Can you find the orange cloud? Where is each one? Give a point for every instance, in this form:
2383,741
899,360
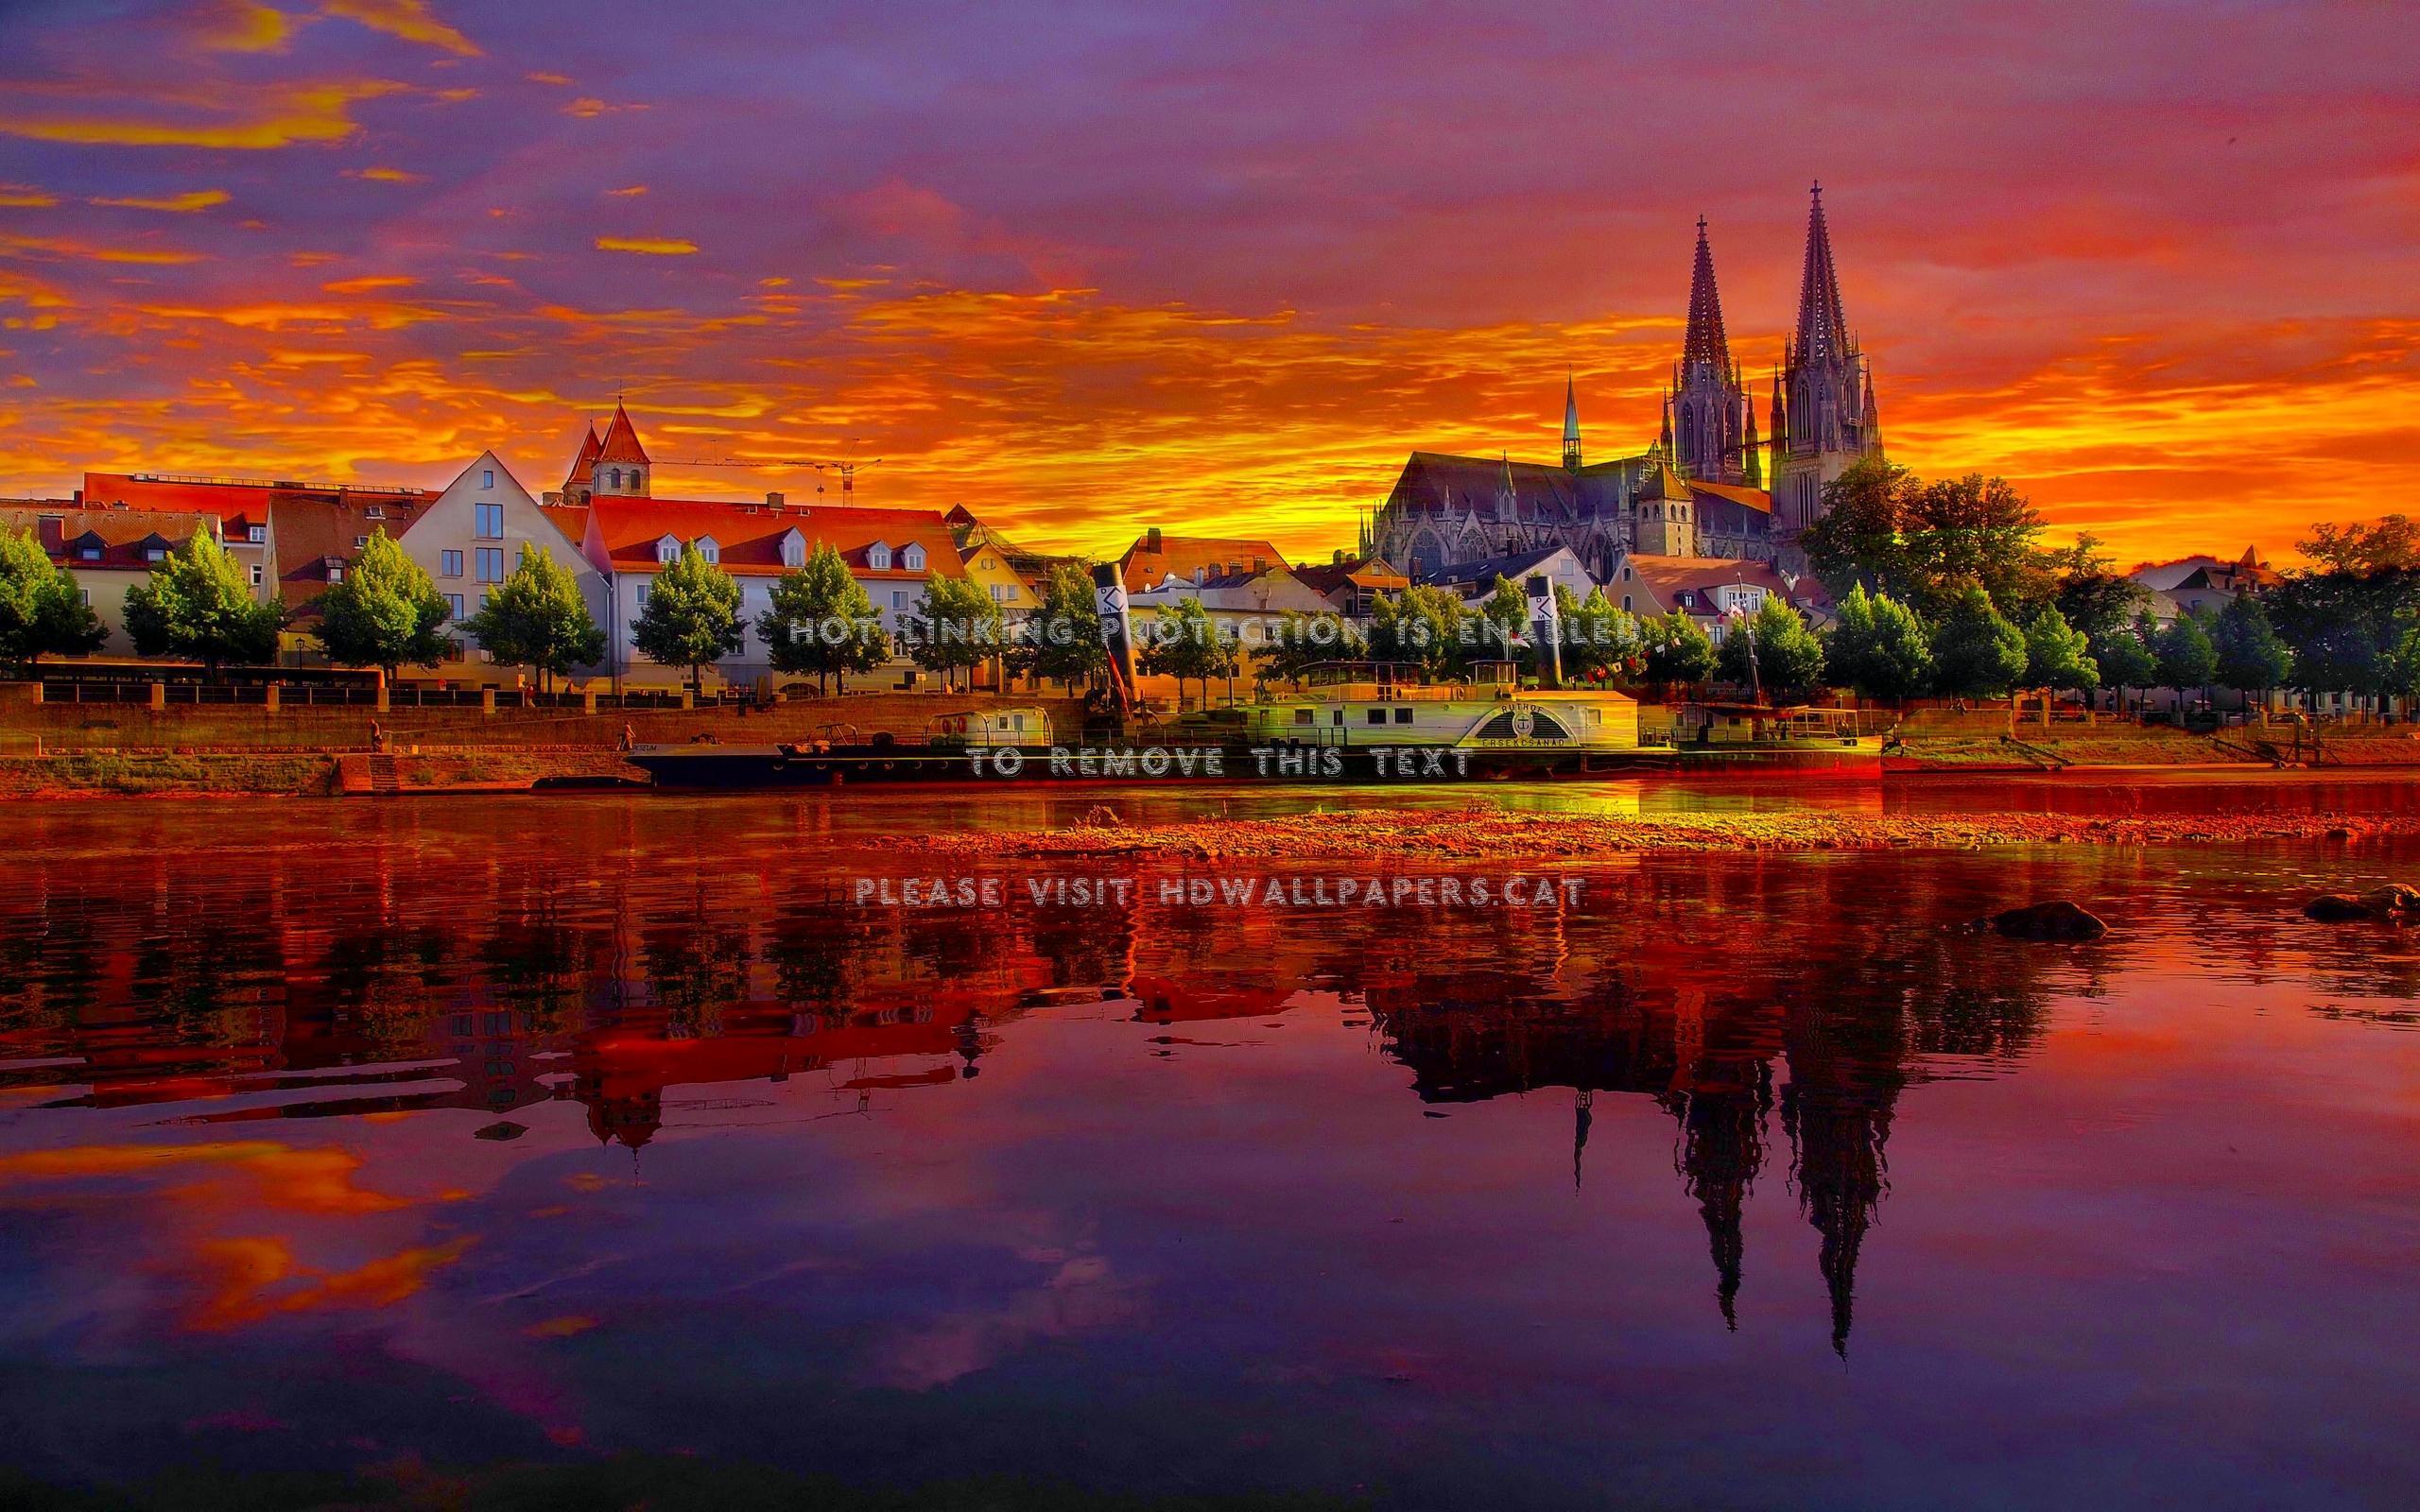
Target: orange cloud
175,204
408,19
547,79
242,1277
253,119
649,247
25,197
364,285
588,108
243,27
560,1327
318,1181
58,247
633,191
386,175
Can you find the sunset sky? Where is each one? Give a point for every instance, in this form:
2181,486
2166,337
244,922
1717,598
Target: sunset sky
1090,266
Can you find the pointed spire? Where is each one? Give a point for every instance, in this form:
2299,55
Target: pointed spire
1570,424
1664,444
589,450
1705,340
1870,414
1752,460
622,440
1823,329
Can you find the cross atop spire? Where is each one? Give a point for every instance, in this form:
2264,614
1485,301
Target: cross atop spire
1823,329
1706,341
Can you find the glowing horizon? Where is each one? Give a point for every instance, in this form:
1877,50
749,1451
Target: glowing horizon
1161,266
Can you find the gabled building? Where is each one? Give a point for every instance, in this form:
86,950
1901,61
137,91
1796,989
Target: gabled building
313,540
1352,585
1475,580
891,553
1157,557
243,508
1711,591
472,535
110,550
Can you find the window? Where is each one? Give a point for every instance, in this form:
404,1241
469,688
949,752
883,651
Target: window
487,522
793,550
360,541
912,558
486,477
642,596
454,605
155,553
990,565
1403,715
256,534
335,575
89,552
377,511
490,564
1625,603
449,564
256,575
86,594
898,598
1337,718
878,557
667,549
1378,716
1305,716
710,548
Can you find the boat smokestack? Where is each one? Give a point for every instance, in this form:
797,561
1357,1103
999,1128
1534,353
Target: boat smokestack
1545,628
1117,632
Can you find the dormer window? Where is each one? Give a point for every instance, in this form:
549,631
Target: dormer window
256,534
879,556
710,548
667,549
155,553
377,511
89,552
912,558
793,550
360,541
335,575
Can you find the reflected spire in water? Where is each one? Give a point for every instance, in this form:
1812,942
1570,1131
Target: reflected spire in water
1582,1104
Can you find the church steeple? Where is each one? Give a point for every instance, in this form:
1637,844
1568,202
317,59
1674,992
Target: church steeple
1706,341
1708,407
1570,426
1823,329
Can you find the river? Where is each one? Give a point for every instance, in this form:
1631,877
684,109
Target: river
345,1144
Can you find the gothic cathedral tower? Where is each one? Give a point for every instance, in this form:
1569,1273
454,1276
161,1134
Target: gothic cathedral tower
1713,425
1824,414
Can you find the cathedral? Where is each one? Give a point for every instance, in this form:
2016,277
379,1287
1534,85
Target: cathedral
1709,486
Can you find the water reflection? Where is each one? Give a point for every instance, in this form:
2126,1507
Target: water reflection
257,1027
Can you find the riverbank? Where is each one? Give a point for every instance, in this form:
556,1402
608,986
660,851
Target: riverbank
1483,830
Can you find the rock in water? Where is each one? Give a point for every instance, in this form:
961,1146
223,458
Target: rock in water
2336,908
2391,900
506,1129
2057,920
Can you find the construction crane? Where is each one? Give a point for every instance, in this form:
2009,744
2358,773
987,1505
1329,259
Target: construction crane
847,468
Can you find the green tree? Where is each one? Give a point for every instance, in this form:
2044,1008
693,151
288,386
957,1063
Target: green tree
691,617
1976,531
42,611
1504,623
1976,652
2391,543
1857,542
2187,658
1185,643
382,612
1062,639
1879,648
956,628
1678,653
1788,660
537,619
1303,641
2399,670
2251,656
2057,655
197,606
2125,657
819,621
2094,599
1424,626
1600,642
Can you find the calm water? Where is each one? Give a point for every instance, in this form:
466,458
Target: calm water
380,1140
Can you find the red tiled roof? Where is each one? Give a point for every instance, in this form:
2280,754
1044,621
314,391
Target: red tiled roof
750,535
1756,499
125,538
1370,573
239,503
621,442
309,534
1669,576
1186,554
